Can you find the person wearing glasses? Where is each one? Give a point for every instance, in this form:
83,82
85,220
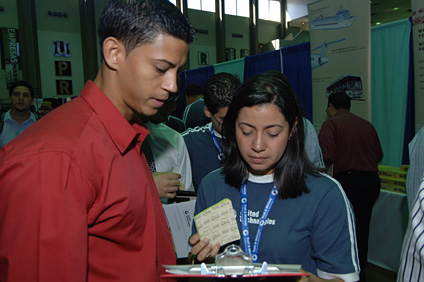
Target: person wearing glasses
19,117
204,143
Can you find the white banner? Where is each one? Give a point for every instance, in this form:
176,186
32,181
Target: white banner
340,35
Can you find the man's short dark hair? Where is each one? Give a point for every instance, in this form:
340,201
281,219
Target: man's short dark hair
339,100
219,91
55,102
193,89
21,83
138,22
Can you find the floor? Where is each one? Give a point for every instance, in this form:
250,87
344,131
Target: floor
375,273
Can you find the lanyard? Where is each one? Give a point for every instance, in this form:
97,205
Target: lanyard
245,225
215,141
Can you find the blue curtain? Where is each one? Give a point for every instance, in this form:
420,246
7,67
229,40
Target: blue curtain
410,105
261,63
389,76
294,62
200,76
297,69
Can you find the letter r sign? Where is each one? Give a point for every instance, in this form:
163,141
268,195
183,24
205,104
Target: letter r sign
203,58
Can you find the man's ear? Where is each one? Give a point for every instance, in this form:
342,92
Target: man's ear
207,112
113,50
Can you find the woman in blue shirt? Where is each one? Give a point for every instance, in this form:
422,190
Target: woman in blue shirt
287,211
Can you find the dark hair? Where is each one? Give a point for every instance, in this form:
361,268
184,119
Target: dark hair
339,100
193,90
138,22
21,83
55,102
268,88
219,90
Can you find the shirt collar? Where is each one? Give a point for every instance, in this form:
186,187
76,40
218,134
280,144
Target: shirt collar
120,130
261,178
214,132
8,116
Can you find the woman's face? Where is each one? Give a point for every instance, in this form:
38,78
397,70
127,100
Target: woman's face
262,133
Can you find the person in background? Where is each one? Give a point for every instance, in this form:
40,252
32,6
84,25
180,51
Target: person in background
204,143
192,93
287,212
194,113
411,268
166,116
77,199
19,118
48,105
351,145
416,168
168,160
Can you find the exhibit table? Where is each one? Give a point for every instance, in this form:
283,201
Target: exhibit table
388,226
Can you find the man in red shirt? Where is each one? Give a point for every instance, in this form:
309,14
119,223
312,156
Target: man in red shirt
352,146
77,200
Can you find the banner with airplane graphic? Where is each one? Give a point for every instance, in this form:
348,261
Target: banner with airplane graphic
340,36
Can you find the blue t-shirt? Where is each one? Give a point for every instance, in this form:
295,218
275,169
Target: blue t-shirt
202,151
316,230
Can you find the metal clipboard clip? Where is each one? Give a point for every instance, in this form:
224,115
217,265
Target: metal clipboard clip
233,262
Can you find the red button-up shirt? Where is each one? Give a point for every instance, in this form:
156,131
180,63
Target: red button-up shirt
78,202
350,143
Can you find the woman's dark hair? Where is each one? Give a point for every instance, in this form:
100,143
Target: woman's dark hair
268,88
138,22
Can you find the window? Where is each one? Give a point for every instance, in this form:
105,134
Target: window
237,7
203,5
173,2
270,10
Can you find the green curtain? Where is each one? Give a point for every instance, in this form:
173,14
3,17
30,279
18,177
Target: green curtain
234,67
389,77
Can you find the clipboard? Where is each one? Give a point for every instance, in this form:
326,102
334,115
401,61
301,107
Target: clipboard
233,263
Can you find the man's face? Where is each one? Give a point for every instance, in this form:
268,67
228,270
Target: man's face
217,118
147,76
46,107
21,99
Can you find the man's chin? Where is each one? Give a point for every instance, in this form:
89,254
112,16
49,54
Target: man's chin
19,109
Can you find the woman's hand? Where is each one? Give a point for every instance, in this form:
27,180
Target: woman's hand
203,249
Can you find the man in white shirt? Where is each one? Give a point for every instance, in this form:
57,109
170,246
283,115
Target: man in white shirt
171,169
19,117
411,267
416,167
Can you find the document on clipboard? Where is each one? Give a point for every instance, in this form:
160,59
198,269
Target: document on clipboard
218,223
